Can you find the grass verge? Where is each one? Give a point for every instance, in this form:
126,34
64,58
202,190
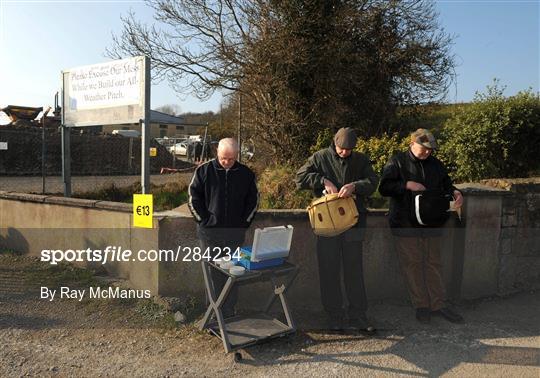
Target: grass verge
166,197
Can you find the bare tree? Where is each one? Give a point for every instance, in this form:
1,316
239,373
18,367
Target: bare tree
197,45
299,65
172,109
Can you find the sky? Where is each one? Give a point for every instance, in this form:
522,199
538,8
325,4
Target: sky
39,39
493,39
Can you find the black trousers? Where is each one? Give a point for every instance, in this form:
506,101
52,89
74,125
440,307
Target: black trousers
333,253
218,278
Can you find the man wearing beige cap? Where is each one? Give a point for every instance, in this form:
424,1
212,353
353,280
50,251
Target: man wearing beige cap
405,179
339,169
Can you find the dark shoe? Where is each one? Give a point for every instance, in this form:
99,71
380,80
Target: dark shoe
335,323
423,315
449,315
361,324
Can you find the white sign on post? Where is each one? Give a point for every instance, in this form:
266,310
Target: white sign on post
111,93
106,93
3,146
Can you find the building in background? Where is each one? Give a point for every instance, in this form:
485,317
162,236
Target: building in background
162,125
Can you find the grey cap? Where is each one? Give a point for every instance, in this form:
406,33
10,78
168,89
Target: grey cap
345,138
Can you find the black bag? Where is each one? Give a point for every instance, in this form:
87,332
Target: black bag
430,208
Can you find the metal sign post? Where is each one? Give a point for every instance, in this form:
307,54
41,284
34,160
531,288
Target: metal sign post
43,150
66,153
145,132
205,142
43,154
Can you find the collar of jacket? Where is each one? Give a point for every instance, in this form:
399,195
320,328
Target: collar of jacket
411,155
414,158
218,166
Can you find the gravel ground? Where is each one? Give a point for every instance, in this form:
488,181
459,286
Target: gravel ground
501,337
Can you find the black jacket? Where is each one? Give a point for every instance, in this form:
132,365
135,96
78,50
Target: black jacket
223,202
403,167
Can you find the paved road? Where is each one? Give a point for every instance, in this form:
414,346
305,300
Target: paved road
53,184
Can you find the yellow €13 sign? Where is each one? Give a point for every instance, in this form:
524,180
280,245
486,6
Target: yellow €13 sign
142,210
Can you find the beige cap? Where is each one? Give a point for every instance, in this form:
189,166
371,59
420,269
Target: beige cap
425,138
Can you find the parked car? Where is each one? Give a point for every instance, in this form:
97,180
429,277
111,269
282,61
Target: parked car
179,149
247,154
127,133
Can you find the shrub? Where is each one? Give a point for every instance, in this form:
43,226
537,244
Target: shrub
278,189
324,138
493,137
380,149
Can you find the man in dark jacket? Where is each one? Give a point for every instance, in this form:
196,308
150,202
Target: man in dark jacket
418,247
223,199
339,169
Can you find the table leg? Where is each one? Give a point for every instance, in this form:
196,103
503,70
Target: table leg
215,305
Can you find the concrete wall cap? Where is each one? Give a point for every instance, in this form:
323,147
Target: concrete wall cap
115,206
68,201
481,190
289,213
23,196
171,214
302,213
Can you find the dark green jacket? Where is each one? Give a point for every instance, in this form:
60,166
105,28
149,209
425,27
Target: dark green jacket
326,163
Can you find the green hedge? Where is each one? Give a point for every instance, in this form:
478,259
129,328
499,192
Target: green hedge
277,189
494,137
380,149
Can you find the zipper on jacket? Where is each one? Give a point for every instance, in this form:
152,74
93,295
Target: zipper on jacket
226,195
423,173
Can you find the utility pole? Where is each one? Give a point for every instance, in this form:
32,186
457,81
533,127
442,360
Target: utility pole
240,127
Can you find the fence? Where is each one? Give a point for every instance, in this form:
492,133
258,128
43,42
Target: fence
92,155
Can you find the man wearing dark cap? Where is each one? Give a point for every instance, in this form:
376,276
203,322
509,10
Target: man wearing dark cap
419,245
339,169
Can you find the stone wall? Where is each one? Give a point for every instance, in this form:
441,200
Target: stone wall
494,249
519,257
30,223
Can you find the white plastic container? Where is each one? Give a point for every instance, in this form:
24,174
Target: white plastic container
226,265
237,270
